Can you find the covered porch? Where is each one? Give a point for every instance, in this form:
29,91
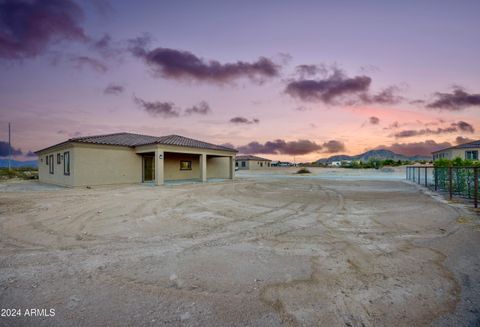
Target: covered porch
177,166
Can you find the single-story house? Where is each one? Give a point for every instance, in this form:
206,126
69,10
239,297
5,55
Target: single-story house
251,162
123,158
465,151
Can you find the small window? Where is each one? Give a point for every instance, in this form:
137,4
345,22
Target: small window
59,158
50,164
471,155
185,165
236,163
46,160
66,163
244,164
261,164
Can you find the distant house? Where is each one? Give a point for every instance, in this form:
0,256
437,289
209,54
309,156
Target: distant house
465,151
133,158
251,162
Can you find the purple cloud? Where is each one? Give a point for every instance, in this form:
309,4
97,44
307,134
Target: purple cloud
280,147
459,99
424,148
337,88
82,61
374,120
27,28
201,109
5,147
113,89
460,126
329,89
184,65
157,108
243,120
463,140
334,146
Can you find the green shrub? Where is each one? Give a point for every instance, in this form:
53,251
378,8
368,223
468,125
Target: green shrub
303,171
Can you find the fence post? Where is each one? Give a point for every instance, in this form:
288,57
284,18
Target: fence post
475,187
418,175
450,187
426,184
436,177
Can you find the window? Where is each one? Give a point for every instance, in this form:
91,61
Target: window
46,160
185,165
244,164
236,164
59,158
261,164
50,164
66,163
471,155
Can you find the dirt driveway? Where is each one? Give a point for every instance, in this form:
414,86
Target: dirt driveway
254,252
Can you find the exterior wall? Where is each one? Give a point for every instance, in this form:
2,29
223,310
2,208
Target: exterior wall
92,164
103,165
218,167
454,153
253,164
172,166
58,177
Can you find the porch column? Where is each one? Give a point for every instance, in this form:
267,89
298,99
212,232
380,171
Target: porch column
159,160
203,167
232,167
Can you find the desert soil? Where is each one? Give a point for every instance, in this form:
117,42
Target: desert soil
277,250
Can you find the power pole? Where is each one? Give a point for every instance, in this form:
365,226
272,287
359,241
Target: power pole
9,149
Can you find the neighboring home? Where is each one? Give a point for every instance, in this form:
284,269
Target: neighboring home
133,158
465,151
340,163
281,164
251,162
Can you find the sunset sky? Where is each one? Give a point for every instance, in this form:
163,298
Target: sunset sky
273,78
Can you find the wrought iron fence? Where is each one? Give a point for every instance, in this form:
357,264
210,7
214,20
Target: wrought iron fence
455,181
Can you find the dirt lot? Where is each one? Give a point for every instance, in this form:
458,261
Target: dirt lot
269,249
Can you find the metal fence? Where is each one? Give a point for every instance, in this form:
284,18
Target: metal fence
460,182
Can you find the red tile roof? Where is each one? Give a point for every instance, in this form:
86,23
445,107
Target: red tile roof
133,140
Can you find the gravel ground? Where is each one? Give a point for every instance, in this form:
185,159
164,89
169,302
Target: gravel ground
268,249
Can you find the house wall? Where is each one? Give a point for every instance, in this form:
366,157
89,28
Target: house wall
253,164
218,167
58,177
103,165
454,153
172,166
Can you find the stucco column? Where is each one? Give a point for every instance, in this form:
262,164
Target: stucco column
203,167
232,167
159,160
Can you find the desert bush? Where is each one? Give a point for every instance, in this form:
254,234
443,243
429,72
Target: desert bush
303,171
21,173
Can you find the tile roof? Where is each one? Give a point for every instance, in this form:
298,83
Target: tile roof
474,144
133,140
250,157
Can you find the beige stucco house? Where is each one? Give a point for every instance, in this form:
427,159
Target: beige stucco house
133,158
465,151
251,162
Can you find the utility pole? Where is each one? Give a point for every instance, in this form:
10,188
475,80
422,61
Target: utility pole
9,149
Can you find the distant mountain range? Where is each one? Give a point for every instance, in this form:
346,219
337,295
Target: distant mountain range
16,163
373,154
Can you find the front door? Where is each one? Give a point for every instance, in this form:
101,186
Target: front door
148,168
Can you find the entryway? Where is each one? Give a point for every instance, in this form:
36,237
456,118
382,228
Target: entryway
148,168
